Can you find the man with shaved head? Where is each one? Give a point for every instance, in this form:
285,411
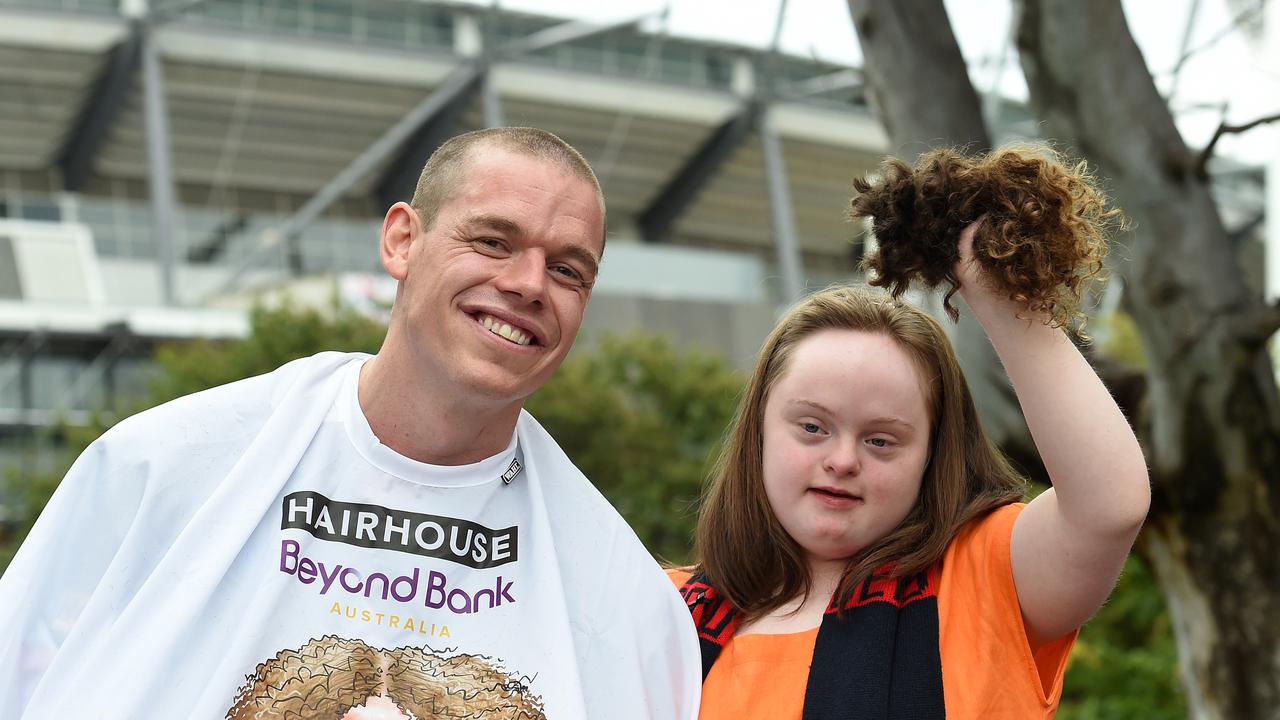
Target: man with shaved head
400,500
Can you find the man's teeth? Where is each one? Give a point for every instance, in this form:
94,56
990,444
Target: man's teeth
497,327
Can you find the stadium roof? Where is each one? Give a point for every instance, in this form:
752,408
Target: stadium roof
268,101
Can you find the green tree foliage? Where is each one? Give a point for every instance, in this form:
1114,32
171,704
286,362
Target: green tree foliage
1122,342
1124,663
25,490
643,421
277,335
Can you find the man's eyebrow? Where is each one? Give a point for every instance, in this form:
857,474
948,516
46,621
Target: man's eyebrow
501,224
495,222
577,252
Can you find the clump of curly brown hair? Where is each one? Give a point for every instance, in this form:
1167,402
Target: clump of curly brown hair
1043,239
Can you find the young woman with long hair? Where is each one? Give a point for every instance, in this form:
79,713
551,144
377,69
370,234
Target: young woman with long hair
863,549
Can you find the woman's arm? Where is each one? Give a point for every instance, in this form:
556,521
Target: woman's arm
1069,544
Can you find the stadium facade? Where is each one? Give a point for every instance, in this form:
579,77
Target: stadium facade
160,162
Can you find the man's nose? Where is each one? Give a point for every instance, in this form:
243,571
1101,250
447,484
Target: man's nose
525,275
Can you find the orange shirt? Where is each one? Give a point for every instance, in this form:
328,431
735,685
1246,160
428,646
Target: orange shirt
988,668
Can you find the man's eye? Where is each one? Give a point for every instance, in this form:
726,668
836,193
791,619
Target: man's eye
491,243
569,274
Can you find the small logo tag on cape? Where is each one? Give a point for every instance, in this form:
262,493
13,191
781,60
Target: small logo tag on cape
512,471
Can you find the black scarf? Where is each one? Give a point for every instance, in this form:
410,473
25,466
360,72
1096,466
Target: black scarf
875,659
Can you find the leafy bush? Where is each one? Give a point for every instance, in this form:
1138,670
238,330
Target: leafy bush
277,336
1124,663
642,420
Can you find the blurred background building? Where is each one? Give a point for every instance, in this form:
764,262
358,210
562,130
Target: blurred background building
161,164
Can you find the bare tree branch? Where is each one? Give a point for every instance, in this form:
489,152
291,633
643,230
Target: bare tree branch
1186,43
1225,129
1241,233
1255,326
1244,16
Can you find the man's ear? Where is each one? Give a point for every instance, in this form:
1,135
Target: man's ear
399,228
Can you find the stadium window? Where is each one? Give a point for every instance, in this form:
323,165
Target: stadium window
43,209
331,18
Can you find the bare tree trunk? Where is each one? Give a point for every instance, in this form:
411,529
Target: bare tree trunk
919,87
916,78
1211,421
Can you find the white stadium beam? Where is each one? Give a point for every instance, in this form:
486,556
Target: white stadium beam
160,181
462,79
571,32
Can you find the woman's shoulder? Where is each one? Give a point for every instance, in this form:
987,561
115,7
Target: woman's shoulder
987,531
679,575
980,550
977,561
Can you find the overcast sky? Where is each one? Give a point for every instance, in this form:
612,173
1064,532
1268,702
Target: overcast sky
1231,69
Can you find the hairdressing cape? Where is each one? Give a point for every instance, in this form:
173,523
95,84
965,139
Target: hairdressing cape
118,606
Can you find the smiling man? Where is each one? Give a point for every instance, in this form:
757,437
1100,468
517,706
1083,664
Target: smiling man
346,512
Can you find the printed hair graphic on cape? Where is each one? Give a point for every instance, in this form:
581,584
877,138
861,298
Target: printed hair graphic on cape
328,677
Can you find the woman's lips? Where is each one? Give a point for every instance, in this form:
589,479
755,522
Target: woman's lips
834,497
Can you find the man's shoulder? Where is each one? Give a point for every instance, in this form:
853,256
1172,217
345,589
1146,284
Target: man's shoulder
223,413
601,542
575,504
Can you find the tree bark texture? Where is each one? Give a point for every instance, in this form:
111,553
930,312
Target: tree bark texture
1210,423
918,85
916,79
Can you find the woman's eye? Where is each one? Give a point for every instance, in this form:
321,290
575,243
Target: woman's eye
879,442
810,428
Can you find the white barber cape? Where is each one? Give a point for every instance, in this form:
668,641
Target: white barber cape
253,551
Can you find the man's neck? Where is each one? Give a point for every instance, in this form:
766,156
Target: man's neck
431,427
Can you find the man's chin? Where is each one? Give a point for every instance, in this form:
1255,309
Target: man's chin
502,388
